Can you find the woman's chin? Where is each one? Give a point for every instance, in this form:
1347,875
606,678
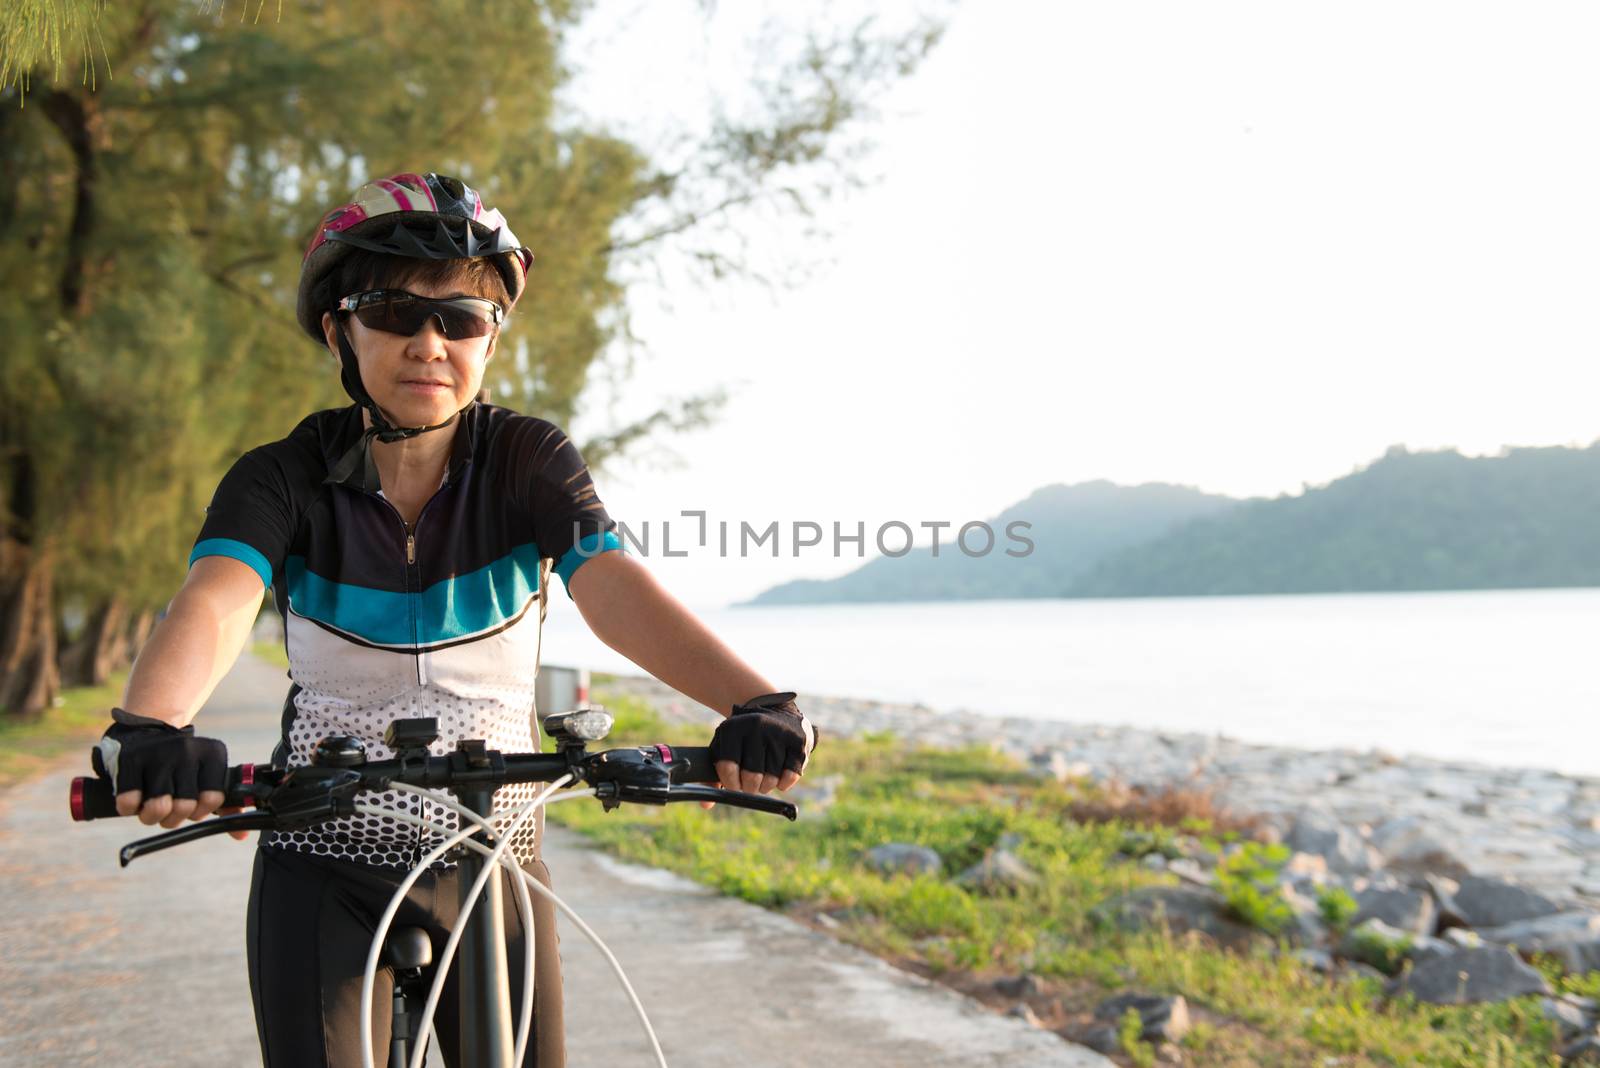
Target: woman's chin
422,411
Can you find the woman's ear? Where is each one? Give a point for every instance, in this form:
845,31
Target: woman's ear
330,335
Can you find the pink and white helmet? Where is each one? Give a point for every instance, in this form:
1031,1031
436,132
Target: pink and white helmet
429,216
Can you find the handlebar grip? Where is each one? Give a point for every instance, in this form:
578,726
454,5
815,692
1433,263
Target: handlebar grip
689,763
90,797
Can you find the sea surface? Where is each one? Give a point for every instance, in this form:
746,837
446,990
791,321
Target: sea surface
1506,677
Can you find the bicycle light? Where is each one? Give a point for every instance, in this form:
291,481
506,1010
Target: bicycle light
576,728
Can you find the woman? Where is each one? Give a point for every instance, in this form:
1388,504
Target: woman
408,541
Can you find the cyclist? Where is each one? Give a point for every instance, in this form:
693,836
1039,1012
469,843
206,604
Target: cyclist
408,541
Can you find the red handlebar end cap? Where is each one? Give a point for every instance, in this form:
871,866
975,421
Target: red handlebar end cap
665,751
247,777
75,799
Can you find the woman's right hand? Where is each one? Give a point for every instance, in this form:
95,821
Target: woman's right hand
161,773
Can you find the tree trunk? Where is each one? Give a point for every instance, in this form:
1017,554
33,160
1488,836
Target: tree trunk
29,680
101,649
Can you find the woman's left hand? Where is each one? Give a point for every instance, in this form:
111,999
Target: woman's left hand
763,745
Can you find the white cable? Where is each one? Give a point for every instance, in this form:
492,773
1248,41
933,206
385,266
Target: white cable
490,868
540,888
524,903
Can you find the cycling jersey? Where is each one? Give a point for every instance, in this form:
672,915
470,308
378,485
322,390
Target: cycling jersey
385,623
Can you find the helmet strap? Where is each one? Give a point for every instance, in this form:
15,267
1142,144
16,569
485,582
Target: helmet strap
359,455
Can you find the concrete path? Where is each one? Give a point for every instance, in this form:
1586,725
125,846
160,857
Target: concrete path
145,966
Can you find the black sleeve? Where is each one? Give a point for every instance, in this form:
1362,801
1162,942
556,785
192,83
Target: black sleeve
249,517
570,524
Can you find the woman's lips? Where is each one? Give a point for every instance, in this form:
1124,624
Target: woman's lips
427,387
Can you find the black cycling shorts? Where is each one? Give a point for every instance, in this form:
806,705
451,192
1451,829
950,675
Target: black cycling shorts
309,929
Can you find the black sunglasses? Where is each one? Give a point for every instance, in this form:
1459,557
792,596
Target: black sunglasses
396,311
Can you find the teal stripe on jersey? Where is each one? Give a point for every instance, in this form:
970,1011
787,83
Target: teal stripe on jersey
584,550
454,608
239,551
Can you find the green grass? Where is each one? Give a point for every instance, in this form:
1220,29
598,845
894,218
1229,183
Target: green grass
1257,1009
30,746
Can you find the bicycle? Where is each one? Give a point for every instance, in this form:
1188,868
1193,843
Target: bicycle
329,787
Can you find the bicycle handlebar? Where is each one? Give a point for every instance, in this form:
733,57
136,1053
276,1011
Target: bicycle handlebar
312,793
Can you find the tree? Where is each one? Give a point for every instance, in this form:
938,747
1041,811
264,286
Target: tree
152,223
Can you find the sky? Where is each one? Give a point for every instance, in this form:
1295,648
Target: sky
1244,247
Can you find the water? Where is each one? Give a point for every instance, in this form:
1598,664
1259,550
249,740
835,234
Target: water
1506,677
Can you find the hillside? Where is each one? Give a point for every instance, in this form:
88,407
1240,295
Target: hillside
1408,521
1072,528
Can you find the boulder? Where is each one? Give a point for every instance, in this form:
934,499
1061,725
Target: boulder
1444,890
1408,910
1535,934
1165,1019
1570,1020
1584,1051
1492,973
1182,909
1483,901
1318,960
1024,1012
1463,938
1578,955
1000,869
1410,844
1102,1038
901,858
1346,852
1018,986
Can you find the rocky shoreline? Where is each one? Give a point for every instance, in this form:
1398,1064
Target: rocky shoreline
1451,818
1445,881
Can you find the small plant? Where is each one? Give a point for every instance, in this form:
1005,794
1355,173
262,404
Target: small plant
1382,953
1248,882
1130,1034
1337,906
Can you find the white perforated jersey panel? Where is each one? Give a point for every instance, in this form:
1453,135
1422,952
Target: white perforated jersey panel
479,689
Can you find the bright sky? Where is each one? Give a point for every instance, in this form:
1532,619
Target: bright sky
1238,246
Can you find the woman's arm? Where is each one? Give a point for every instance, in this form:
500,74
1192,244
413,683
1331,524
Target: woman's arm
182,661
631,612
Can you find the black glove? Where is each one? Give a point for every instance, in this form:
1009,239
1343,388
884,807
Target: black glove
156,758
766,734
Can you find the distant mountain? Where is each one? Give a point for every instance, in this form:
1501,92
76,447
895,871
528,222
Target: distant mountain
1072,529
1529,517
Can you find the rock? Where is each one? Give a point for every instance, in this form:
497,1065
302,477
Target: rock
1533,935
1165,1019
1189,871
1587,1006
1307,867
1102,1038
1569,1019
1584,1051
1492,973
1307,928
1345,851
1463,938
1354,969
898,857
1488,902
1410,844
1376,943
1153,862
1169,1053
1318,960
1182,909
1023,1012
1444,890
1578,955
1408,910
1018,986
1000,869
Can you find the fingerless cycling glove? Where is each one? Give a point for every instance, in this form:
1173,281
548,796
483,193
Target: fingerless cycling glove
766,734
156,758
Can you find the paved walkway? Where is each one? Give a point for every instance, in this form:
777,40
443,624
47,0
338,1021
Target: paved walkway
145,966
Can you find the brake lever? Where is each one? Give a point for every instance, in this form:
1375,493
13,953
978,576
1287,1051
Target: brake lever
245,821
737,798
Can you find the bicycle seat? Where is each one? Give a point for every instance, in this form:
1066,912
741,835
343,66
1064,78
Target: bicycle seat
407,949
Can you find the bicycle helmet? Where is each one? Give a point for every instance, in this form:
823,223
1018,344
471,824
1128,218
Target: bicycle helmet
427,216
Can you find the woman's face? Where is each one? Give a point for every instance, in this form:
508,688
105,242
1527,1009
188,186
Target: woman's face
419,380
